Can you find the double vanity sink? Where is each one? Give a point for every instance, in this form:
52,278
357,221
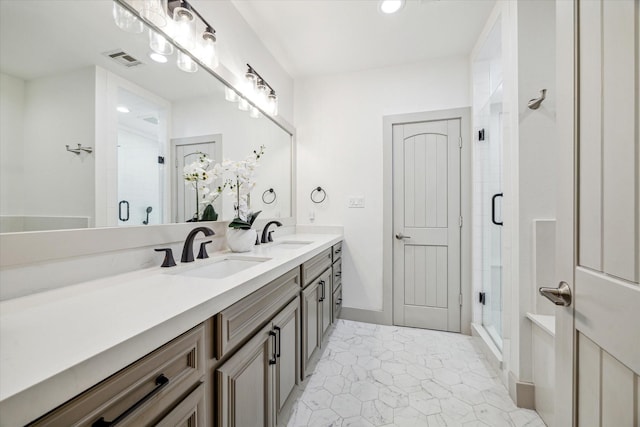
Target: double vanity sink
92,330
228,265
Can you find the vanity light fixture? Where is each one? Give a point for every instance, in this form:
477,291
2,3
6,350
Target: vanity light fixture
260,92
390,6
254,113
159,44
126,20
230,94
208,52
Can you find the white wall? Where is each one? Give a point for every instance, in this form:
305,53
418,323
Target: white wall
238,45
536,154
12,92
339,135
59,110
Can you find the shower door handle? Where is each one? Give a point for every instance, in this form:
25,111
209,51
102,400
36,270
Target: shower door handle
122,218
493,209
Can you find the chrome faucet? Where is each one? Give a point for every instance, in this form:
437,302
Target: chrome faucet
266,234
187,250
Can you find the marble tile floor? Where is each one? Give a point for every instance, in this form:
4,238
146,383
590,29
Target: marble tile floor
372,375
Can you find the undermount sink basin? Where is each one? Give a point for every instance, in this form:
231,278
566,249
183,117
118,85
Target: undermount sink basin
290,245
224,267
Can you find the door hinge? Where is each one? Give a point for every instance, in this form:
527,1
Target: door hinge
460,221
460,299
460,141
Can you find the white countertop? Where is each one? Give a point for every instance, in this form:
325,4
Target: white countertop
57,344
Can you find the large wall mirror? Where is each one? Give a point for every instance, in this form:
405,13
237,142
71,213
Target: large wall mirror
94,133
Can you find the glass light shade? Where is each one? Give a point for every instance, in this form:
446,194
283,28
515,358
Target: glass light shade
243,104
207,51
159,44
230,94
254,113
185,63
250,84
261,94
184,27
154,11
273,104
125,20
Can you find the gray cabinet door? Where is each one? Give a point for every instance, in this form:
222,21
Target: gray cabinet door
245,384
310,324
287,327
326,296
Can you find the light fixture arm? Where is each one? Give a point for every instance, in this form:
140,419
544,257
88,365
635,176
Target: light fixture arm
173,4
252,70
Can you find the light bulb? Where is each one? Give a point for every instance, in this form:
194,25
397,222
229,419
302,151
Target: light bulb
158,57
230,94
390,6
207,49
250,84
184,27
126,20
159,44
185,63
261,94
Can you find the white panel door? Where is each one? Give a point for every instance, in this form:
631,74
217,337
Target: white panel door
426,215
185,194
598,336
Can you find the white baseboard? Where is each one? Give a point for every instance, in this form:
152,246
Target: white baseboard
367,316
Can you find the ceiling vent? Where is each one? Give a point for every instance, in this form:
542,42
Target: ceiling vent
122,58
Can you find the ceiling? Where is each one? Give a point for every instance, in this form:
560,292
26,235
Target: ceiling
315,37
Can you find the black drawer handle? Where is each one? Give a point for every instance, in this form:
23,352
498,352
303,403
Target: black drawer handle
161,382
279,331
321,283
339,301
273,335
493,209
338,273
337,251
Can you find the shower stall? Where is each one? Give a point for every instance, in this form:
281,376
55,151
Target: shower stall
487,185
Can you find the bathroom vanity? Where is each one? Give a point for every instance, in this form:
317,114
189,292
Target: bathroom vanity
217,342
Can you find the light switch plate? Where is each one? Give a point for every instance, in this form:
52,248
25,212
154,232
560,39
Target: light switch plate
356,202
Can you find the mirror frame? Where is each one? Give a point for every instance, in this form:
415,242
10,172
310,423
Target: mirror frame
23,248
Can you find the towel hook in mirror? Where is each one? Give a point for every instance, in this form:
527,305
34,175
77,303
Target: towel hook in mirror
318,190
534,103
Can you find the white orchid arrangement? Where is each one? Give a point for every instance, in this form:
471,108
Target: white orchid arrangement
199,175
239,179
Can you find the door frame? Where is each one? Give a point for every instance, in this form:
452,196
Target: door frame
464,114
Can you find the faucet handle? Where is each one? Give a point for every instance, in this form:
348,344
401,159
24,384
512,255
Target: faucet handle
202,254
269,238
168,257
257,238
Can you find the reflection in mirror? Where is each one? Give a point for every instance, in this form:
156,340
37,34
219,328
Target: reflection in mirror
69,75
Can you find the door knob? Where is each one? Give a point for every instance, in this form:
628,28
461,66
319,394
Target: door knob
401,236
559,296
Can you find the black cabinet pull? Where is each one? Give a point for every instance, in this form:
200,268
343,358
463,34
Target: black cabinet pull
161,382
279,331
273,335
493,209
321,283
120,217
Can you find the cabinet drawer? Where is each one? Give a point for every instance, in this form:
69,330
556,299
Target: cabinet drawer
142,393
337,274
237,323
337,251
188,413
337,303
315,266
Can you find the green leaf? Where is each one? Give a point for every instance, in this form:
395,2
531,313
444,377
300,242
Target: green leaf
237,223
209,214
252,217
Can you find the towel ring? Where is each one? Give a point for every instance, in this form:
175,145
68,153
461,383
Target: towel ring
266,194
318,190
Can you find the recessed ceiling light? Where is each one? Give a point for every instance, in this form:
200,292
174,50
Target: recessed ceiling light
122,109
390,6
158,57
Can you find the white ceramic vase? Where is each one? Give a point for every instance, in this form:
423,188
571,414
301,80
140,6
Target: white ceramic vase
241,240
